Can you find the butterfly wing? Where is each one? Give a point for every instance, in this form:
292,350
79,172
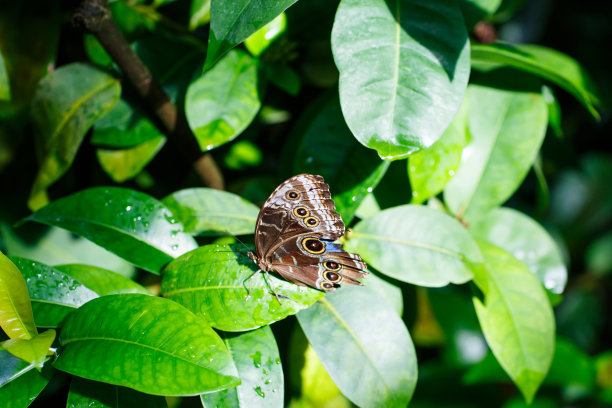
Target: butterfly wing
294,236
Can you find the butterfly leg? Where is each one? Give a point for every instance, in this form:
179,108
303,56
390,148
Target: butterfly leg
250,284
276,295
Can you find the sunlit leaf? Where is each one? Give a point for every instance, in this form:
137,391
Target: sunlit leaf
259,367
340,329
506,128
403,78
16,317
416,244
219,283
146,343
262,38
516,318
222,102
124,164
206,211
129,223
34,350
233,21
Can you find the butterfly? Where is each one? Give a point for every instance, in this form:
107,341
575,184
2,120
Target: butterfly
295,234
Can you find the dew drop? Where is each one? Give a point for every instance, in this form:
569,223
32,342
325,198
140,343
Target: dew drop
259,392
128,208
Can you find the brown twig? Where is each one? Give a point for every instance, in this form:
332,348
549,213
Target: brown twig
95,16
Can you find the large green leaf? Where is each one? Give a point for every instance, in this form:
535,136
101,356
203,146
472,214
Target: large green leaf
259,367
222,102
102,281
516,318
416,244
16,317
128,223
146,343
432,168
206,211
233,21
506,128
527,241
214,282
403,78
54,294
340,327
328,148
20,382
547,63
67,102
92,394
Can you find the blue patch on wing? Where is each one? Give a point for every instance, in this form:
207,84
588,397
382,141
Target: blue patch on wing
331,247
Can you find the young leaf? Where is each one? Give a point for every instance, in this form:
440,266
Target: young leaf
206,211
87,394
527,241
128,223
440,251
431,169
54,294
16,317
516,318
222,102
20,382
328,148
102,281
146,343
547,63
233,21
67,102
259,367
339,328
34,350
124,164
506,128
220,284
402,80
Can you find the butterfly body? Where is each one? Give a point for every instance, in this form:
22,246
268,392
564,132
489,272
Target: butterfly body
295,235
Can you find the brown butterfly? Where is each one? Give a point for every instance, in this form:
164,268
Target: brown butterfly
295,235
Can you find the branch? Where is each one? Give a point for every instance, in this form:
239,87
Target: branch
95,16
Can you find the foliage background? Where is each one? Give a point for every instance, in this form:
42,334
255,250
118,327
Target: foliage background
575,206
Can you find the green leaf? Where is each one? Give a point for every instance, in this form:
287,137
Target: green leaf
328,148
102,281
571,366
262,38
527,241
387,291
259,367
87,394
34,350
402,80
222,102
214,281
16,317
206,211
67,102
20,382
126,222
199,13
124,164
340,329
5,84
547,63
233,21
440,251
123,127
432,168
506,128
150,344
54,294
516,318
